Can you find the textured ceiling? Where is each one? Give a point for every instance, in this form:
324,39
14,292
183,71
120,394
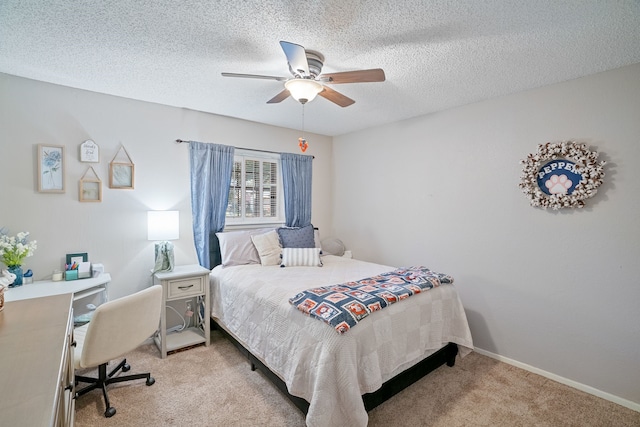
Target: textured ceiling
436,54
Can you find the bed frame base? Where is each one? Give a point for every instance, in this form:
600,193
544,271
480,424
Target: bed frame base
395,385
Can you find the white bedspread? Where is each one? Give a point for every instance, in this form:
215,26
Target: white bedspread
329,370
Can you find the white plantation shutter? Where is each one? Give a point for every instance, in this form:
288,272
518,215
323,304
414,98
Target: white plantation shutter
254,194
234,207
252,188
269,189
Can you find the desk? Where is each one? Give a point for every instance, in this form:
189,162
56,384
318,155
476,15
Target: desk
81,288
36,362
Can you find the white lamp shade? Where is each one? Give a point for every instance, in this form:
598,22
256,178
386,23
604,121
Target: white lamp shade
163,225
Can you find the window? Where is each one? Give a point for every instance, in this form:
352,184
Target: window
255,191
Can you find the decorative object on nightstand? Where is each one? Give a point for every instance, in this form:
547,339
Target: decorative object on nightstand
163,225
184,283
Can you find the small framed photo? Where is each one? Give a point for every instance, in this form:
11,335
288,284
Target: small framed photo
121,175
121,172
89,152
77,258
51,165
90,191
90,187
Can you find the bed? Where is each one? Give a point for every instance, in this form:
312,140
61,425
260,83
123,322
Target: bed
335,378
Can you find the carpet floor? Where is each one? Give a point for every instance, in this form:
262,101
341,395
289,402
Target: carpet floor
214,386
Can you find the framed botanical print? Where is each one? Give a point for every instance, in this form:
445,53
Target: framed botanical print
51,166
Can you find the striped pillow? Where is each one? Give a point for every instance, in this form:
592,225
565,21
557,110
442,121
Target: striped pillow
301,257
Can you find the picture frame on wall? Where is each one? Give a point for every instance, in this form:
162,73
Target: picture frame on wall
89,152
121,175
90,187
51,168
121,172
90,191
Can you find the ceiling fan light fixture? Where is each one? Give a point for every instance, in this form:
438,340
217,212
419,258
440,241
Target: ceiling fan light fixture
303,90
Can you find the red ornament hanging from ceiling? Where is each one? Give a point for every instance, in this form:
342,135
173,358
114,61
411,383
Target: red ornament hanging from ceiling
303,144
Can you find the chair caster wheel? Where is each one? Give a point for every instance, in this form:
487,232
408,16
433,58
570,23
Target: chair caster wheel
126,367
110,412
151,381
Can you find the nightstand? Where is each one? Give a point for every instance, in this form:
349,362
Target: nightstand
184,282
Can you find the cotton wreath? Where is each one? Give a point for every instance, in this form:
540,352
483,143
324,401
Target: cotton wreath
586,164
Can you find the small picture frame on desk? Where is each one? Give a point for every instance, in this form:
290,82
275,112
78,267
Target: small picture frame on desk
81,257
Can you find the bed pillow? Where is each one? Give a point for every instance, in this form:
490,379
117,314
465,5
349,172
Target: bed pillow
236,247
301,257
268,247
297,237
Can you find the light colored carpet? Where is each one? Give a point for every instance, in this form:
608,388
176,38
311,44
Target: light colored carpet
214,386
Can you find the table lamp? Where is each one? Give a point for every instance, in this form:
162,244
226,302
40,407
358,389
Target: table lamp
161,227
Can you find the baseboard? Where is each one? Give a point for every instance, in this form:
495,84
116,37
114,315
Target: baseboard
574,384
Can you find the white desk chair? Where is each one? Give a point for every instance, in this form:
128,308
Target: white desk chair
117,327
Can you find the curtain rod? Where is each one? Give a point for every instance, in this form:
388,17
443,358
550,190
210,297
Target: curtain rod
180,141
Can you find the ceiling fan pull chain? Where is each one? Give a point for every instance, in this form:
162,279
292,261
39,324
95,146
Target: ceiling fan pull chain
302,143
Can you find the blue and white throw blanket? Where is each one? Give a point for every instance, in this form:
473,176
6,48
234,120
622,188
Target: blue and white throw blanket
343,306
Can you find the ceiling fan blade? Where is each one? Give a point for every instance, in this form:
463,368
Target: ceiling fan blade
336,97
255,76
296,57
279,97
360,76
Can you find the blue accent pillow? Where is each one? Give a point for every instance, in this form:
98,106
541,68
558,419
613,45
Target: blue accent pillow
297,237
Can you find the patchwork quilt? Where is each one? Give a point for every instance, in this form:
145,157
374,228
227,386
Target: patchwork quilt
343,306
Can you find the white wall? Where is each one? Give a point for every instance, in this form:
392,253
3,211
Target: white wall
559,291
114,232
555,290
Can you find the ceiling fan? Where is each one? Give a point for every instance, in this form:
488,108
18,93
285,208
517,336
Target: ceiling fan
307,81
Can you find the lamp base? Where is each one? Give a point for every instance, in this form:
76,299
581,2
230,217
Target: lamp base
164,257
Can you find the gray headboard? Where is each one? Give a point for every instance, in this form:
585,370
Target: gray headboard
215,257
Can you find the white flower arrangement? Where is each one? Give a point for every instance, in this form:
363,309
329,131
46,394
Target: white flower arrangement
14,249
586,164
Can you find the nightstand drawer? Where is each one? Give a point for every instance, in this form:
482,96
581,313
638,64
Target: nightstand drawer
185,287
